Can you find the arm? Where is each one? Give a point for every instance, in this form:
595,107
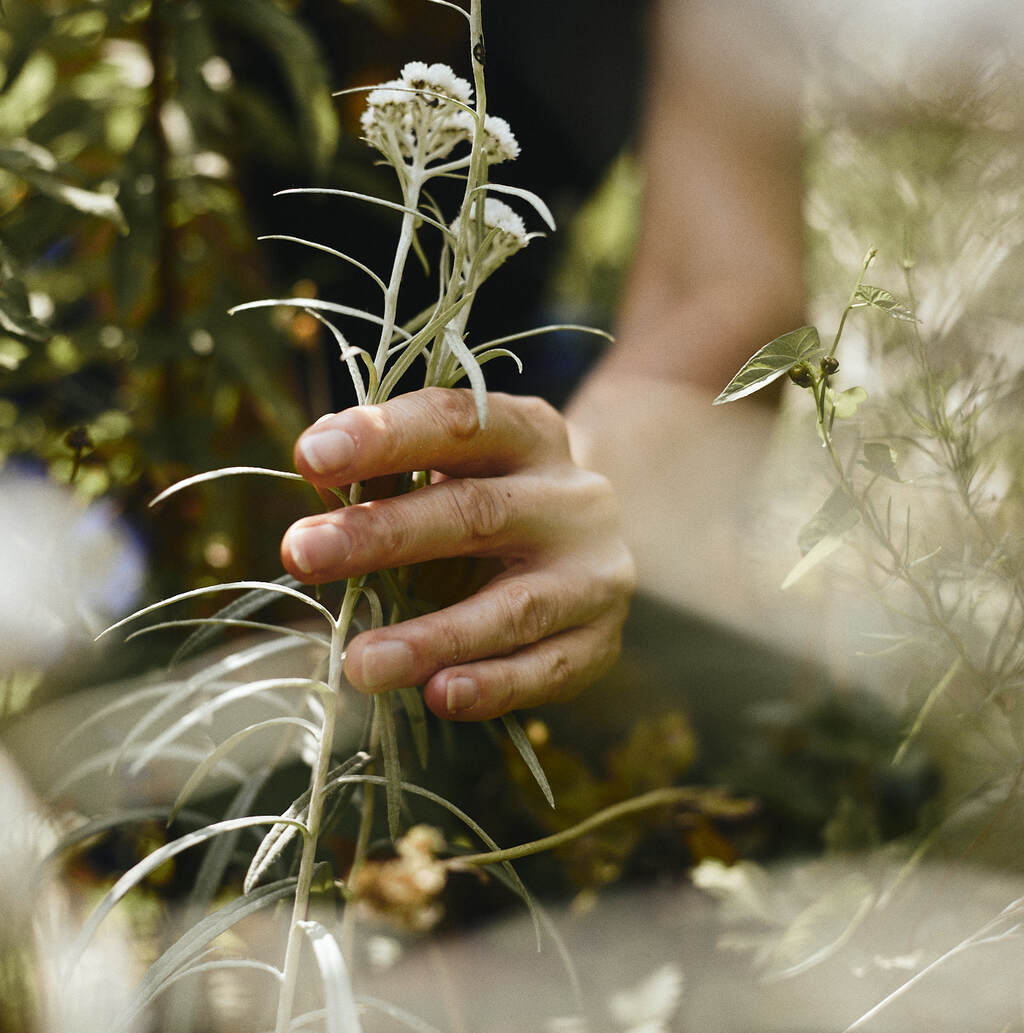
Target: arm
717,274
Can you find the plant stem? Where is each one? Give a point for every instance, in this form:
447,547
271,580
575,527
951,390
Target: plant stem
655,798
318,777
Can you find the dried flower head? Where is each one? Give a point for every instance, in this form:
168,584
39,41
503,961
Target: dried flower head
404,889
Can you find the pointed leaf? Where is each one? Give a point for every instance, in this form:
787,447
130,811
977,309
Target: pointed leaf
151,862
227,471
772,361
330,251
371,199
526,751
316,303
821,550
527,195
412,703
835,517
385,716
342,1015
878,297
468,361
163,970
224,748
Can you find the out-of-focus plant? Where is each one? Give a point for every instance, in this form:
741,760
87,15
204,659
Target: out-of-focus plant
127,129
926,491
432,128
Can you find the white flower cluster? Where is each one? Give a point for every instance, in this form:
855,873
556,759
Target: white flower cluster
511,235
422,116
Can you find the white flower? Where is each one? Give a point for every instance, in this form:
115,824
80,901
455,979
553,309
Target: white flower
499,141
409,119
67,569
511,236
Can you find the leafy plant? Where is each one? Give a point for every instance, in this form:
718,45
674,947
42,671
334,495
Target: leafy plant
427,125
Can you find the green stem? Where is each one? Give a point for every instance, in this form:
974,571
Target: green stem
667,797
318,778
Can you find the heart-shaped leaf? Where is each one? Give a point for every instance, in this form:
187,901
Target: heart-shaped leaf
772,361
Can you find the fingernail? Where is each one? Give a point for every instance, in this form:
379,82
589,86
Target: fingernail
327,450
460,694
318,548
326,416
386,665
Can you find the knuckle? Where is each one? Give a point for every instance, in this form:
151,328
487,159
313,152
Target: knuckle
538,418
480,511
525,615
444,639
455,411
381,526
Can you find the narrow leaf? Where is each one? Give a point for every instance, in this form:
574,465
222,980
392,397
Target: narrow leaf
227,471
370,199
412,703
224,748
934,696
551,328
836,516
772,361
205,710
342,1016
486,356
527,195
230,586
330,251
227,622
191,943
245,606
316,303
385,715
526,751
468,361
821,551
150,863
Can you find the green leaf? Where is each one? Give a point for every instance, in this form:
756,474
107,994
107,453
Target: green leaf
523,745
15,312
835,517
880,458
385,714
772,361
878,297
412,703
847,402
342,1015
38,167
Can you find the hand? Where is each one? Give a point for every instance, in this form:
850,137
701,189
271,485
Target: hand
548,624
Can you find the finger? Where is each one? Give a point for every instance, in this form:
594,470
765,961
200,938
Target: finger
489,516
431,429
513,611
551,671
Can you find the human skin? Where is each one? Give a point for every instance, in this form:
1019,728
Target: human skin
717,273
547,624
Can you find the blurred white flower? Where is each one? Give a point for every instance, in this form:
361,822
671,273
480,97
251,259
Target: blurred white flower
509,236
648,1007
65,570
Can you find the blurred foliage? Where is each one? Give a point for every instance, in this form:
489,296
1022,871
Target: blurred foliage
129,132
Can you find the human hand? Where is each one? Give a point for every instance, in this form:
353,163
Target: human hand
548,624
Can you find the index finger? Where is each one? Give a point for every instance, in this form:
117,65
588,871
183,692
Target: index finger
430,429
